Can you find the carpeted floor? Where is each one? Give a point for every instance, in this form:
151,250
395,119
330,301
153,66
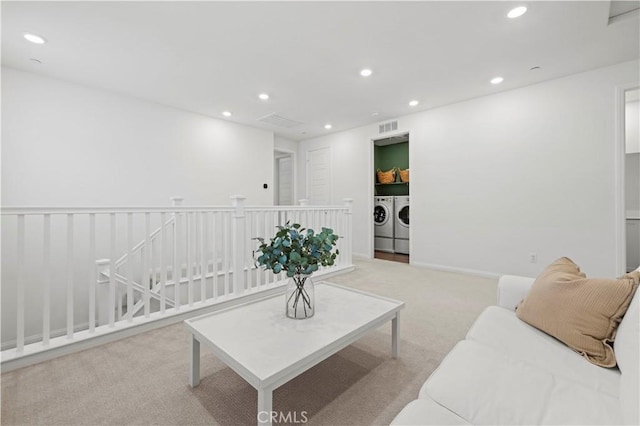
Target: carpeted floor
142,380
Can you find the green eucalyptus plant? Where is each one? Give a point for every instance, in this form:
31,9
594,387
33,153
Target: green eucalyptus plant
297,250
300,252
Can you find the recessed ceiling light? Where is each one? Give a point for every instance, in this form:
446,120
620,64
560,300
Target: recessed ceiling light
375,114
413,103
226,113
35,61
366,72
263,96
534,68
517,12
33,38
497,80
328,126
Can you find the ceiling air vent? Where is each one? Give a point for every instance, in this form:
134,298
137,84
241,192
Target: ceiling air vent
388,127
279,121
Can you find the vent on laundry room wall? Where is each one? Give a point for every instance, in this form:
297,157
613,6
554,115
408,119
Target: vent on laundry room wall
388,127
279,121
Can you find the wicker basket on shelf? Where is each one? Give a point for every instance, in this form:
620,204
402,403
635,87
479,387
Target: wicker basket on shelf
387,177
404,175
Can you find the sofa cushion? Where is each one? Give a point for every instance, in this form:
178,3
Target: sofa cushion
500,329
484,386
426,412
626,344
581,312
627,348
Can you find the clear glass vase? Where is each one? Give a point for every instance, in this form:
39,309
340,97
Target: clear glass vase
300,297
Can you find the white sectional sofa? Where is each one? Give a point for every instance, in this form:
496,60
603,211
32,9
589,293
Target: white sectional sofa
506,372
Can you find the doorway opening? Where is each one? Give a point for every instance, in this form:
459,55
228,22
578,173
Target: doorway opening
391,203
283,178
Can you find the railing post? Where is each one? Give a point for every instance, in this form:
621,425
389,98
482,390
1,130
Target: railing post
176,273
46,277
348,247
129,267
70,256
111,299
102,285
146,263
163,263
20,287
238,243
93,277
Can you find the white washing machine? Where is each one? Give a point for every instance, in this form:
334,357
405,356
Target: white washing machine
383,223
401,224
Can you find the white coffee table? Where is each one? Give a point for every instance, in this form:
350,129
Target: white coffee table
267,349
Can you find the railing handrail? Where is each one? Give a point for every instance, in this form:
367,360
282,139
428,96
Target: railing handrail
27,210
293,208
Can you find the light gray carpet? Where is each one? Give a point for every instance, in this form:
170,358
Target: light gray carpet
142,380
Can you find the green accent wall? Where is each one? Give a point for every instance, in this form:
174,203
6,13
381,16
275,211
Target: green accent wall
388,156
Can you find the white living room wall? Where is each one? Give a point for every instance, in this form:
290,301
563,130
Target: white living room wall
351,177
286,144
65,144
498,178
70,145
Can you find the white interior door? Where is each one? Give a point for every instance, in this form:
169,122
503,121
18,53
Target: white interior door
319,176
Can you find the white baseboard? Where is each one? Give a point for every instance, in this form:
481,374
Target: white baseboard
334,272
361,255
34,338
476,272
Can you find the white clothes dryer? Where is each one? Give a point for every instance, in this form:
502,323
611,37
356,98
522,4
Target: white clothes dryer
383,223
401,224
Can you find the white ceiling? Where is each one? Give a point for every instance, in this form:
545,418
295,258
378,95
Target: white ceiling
208,57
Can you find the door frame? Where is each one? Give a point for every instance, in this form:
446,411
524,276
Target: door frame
372,192
619,177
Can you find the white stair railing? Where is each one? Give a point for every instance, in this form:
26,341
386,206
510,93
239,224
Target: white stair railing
55,293
142,248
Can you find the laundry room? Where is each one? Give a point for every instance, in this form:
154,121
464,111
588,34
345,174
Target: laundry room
391,198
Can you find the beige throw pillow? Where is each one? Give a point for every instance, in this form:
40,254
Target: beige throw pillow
582,312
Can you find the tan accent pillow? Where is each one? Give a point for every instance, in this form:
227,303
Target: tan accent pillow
581,312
